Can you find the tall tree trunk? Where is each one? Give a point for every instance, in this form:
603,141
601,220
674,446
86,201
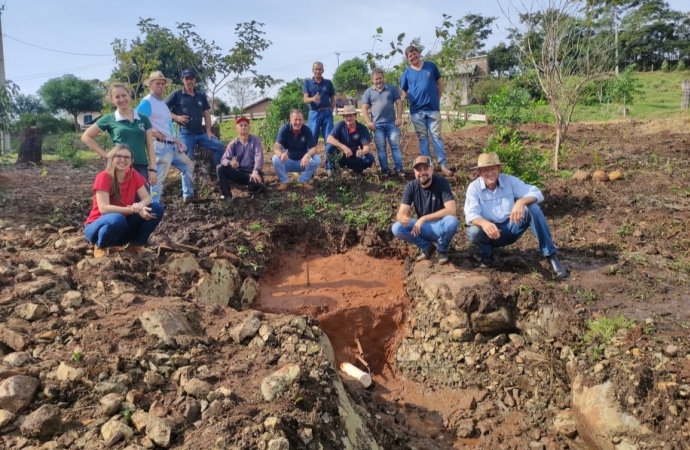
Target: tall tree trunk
556,151
77,128
31,141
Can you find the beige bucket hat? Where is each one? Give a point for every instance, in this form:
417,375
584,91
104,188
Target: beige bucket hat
487,160
348,109
157,75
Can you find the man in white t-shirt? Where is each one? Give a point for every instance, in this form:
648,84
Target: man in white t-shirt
169,150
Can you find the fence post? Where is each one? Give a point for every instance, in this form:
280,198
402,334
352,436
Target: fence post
685,103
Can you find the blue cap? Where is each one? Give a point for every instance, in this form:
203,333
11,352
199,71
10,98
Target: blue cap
188,73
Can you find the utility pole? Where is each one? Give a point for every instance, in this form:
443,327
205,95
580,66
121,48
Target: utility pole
5,142
337,54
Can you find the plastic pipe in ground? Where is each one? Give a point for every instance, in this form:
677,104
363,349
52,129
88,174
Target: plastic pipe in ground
354,372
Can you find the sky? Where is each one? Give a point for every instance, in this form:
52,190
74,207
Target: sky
301,32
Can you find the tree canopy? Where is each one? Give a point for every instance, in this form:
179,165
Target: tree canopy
72,95
351,75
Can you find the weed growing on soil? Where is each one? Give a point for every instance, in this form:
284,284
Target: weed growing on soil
309,212
260,247
623,230
255,227
600,331
77,356
242,251
587,296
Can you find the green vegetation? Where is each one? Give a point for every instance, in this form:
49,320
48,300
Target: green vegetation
77,356
600,331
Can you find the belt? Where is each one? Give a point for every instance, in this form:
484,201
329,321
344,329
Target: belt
323,109
163,140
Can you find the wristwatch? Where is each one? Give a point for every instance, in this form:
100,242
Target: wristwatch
152,170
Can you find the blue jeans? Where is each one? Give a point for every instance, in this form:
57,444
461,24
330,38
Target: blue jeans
440,232
511,232
426,123
390,132
116,229
353,163
320,123
290,165
192,140
167,155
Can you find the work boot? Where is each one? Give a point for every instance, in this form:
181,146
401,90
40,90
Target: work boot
427,254
443,257
193,199
307,186
282,186
446,171
99,252
557,266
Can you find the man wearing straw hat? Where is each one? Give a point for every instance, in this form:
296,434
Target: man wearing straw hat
434,202
348,144
499,208
169,150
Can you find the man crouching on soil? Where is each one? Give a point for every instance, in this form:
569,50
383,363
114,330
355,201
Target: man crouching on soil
499,208
435,206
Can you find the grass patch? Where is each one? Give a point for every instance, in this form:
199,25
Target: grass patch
600,331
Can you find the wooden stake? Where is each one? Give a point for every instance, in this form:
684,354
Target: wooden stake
308,283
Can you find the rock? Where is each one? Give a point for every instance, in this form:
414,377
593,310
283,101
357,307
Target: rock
493,322
535,445
197,388
152,378
615,175
184,264
220,394
600,175
581,175
517,340
159,431
140,420
249,292
447,282
113,427
105,388
464,428
214,410
17,392
221,285
279,381
44,422
598,418
279,444
247,328
71,299
16,359
31,311
38,286
671,350
192,410
67,373
167,324
565,424
452,322
6,418
111,403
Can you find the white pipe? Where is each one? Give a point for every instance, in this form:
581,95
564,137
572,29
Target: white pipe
354,372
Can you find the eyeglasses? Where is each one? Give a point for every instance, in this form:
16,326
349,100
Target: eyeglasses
123,157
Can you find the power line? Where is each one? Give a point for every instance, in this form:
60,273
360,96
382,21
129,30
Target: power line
39,75
53,50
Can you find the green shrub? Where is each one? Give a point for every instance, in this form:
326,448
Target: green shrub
68,150
483,89
510,107
681,66
665,67
518,159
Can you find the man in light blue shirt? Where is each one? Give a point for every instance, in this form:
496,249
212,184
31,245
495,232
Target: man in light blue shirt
499,208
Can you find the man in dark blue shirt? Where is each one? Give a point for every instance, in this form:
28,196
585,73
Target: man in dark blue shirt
434,202
319,94
295,151
188,108
348,144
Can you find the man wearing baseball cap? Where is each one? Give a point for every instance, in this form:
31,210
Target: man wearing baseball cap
499,208
348,144
242,161
434,202
189,107
169,151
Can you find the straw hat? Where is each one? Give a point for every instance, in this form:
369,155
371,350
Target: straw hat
157,75
348,109
487,160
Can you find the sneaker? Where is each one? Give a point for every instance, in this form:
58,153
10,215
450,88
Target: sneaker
282,186
400,174
307,186
193,199
446,171
486,263
99,252
384,175
227,199
427,254
443,257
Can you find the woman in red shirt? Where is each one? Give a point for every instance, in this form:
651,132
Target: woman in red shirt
116,218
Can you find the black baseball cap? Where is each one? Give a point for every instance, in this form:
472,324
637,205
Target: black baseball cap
188,73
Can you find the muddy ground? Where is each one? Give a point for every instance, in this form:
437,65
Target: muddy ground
626,243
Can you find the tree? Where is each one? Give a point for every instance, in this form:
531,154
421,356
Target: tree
241,92
570,53
502,59
72,95
221,109
351,75
468,37
30,104
289,97
8,92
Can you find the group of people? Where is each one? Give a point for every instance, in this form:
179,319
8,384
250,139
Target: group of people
160,133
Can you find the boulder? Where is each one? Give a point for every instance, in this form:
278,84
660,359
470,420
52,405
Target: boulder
44,422
167,324
184,264
249,292
279,381
493,322
220,286
17,392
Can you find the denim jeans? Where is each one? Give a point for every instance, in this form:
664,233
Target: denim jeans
167,155
440,232
388,131
227,174
353,163
117,229
429,123
290,165
511,232
192,140
320,123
